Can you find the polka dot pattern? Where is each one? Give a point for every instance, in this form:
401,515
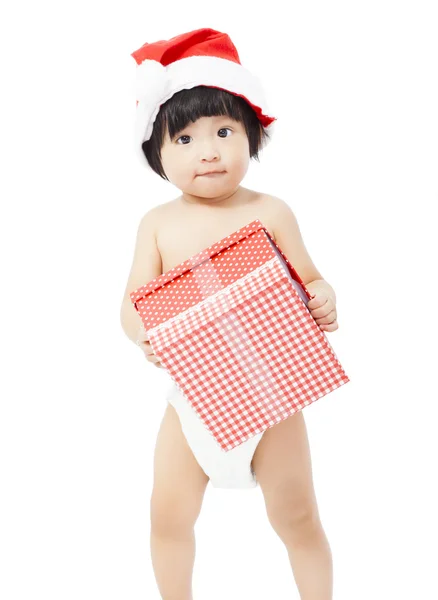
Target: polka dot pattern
207,272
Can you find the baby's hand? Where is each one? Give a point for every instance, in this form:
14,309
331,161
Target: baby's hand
144,344
323,310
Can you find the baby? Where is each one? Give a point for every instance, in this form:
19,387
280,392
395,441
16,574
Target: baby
201,119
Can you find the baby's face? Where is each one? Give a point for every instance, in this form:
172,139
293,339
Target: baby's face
210,144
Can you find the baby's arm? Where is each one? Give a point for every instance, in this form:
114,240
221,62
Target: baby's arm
146,265
288,236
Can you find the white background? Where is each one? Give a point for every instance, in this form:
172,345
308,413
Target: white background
355,154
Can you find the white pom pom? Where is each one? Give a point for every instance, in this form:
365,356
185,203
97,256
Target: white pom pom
151,80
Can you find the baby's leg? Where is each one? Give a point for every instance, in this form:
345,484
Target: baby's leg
178,491
283,467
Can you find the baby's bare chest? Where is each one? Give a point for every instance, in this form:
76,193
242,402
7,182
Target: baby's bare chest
181,236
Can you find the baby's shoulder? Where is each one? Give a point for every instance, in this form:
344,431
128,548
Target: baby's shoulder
271,210
159,214
272,204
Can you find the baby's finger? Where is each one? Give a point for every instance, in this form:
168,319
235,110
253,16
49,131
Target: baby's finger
330,326
152,358
145,346
327,318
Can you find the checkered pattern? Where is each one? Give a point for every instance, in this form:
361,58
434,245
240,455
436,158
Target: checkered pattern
248,355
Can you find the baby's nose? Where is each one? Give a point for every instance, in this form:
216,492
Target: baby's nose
209,152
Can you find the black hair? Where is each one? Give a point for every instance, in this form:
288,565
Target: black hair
188,105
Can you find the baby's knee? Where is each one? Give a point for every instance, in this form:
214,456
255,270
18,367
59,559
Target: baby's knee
291,512
171,516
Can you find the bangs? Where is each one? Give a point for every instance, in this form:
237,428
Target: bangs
190,105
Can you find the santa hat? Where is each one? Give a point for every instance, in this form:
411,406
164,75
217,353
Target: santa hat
202,57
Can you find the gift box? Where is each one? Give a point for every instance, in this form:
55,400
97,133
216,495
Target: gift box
232,328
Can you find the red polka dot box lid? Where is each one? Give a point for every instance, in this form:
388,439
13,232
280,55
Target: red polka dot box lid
232,329
208,272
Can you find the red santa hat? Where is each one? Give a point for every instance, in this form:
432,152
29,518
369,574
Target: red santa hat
202,57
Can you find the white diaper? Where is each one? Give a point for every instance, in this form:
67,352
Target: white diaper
231,469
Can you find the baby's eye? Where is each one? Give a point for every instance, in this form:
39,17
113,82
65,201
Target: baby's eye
180,138
224,129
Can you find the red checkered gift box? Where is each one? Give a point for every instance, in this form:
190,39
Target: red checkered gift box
232,328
